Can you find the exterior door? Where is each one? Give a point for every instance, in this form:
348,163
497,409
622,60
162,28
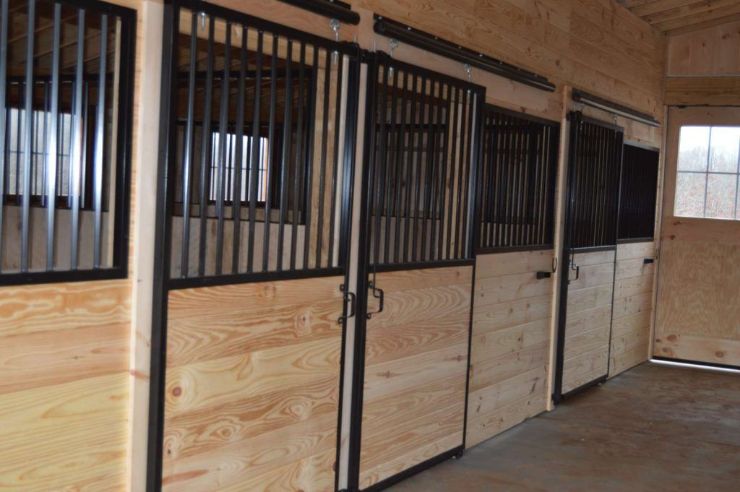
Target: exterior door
589,245
416,272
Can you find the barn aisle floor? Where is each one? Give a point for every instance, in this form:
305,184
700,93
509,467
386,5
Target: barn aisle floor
653,428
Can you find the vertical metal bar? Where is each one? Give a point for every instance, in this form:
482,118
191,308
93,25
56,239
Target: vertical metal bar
465,201
455,102
4,115
389,183
239,157
436,180
460,170
223,136
381,165
399,168
271,170
322,170
28,136
99,143
310,135
335,169
445,106
205,151
300,157
77,144
188,151
421,165
255,158
431,174
409,160
53,147
286,150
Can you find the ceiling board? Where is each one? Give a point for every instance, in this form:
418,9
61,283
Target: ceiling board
678,16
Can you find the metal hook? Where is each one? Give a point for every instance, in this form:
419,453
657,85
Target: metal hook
392,45
335,25
202,16
469,71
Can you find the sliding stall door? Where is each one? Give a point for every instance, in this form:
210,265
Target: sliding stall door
587,288
414,357
256,254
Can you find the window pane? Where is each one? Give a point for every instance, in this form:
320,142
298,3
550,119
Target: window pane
693,148
690,189
725,144
721,196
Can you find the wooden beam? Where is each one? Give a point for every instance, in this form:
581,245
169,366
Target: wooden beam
703,25
657,6
716,13
713,91
687,13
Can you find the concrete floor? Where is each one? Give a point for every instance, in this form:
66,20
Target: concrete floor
654,428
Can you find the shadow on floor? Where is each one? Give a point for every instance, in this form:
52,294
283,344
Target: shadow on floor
654,428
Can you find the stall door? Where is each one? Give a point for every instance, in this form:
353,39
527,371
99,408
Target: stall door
589,245
256,243
413,353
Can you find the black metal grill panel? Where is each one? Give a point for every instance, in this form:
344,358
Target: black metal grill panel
517,181
423,153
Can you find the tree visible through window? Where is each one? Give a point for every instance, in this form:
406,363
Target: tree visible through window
708,178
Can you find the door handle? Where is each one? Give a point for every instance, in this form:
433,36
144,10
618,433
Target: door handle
378,294
577,269
352,299
541,275
648,261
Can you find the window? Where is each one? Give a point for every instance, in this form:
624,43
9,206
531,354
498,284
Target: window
246,184
66,79
708,175
637,193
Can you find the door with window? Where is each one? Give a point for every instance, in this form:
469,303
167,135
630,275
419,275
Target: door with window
589,251
698,314
253,252
416,270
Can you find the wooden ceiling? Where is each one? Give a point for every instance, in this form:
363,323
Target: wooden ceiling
679,16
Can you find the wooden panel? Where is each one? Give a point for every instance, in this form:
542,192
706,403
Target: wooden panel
415,370
64,386
714,91
509,355
591,44
252,386
588,320
698,315
633,306
682,16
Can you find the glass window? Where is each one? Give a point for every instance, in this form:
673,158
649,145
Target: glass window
708,179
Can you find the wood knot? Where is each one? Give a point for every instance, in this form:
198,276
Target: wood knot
176,391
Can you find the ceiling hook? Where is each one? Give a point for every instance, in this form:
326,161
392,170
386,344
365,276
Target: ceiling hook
335,25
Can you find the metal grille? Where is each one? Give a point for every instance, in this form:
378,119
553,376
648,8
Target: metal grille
517,181
259,177
422,175
66,83
595,162
638,193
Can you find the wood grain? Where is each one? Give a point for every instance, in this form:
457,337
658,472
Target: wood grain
415,370
510,342
64,386
253,386
588,319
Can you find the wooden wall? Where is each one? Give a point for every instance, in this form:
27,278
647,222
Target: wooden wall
64,386
252,387
633,306
703,67
510,342
416,361
698,313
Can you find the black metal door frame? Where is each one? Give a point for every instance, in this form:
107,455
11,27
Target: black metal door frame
163,283
576,118
365,268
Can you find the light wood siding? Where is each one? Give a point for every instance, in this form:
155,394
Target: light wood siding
64,386
588,320
252,386
510,342
633,306
415,370
698,315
